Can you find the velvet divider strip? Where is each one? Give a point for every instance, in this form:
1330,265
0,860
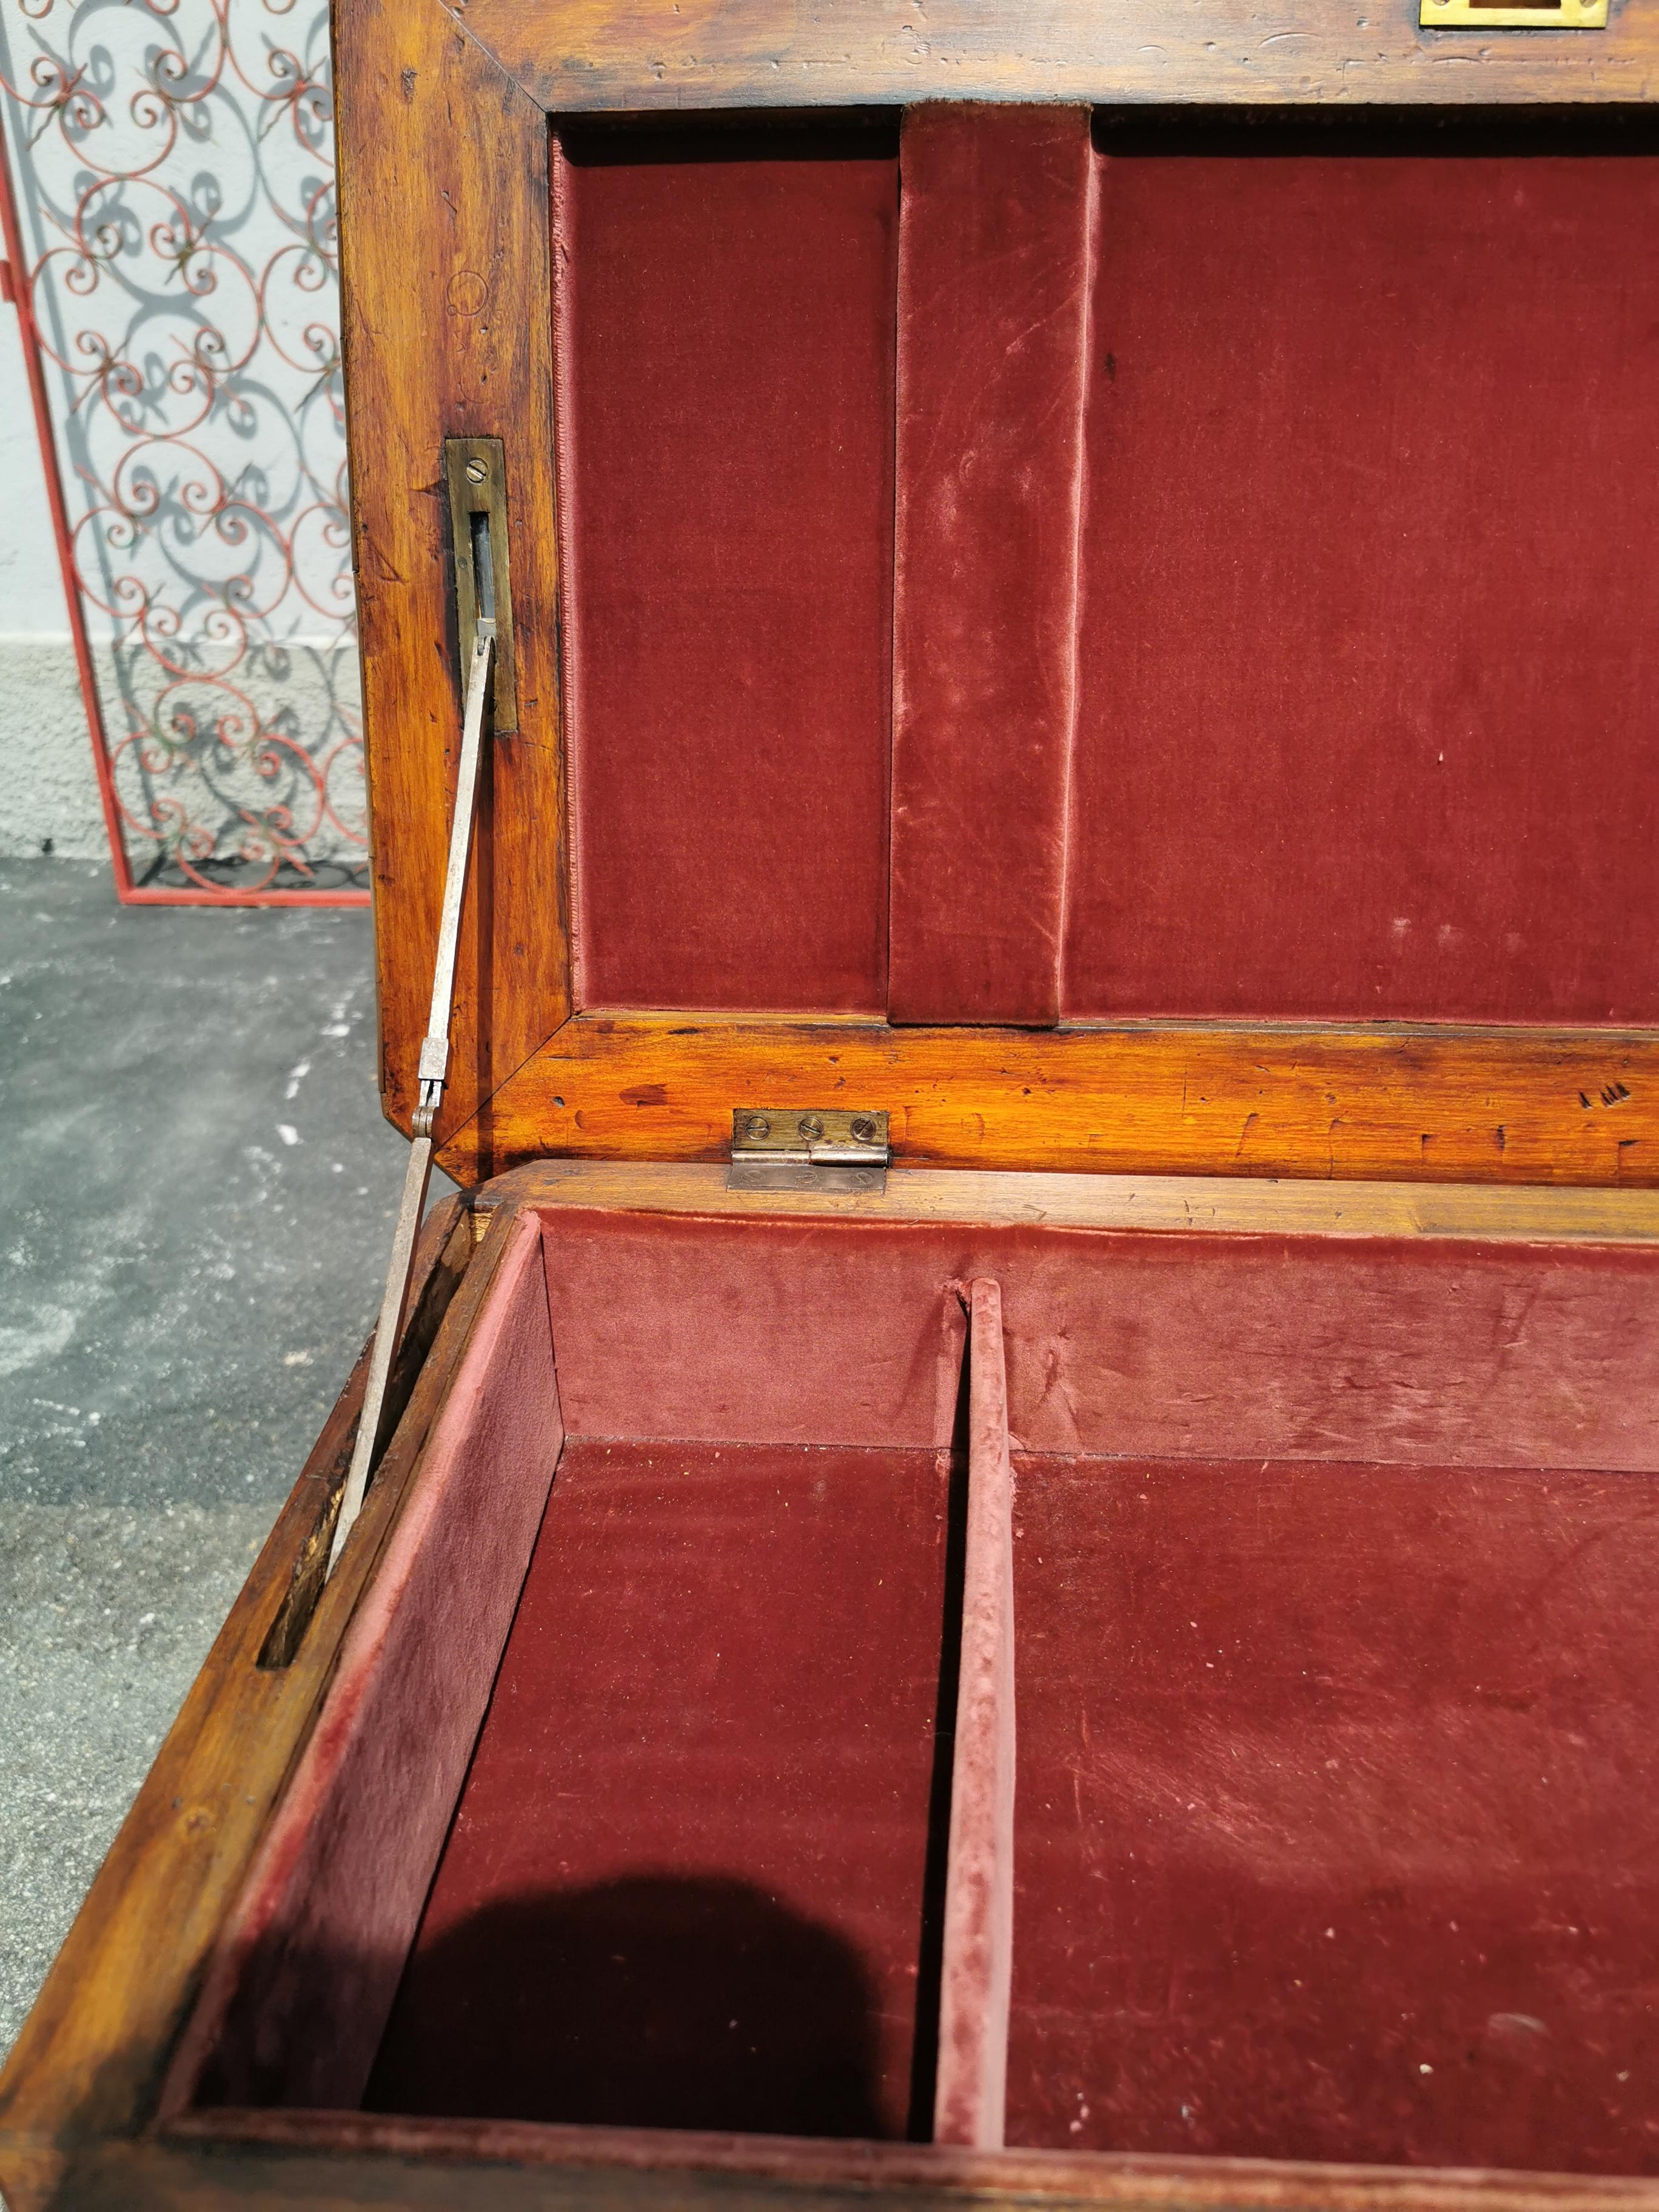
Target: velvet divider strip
993,293
970,2091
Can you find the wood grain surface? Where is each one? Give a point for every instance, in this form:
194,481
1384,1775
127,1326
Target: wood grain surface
275,2160
1231,1204
1428,1104
618,54
448,331
92,2054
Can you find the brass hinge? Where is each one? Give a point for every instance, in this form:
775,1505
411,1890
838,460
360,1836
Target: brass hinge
808,1148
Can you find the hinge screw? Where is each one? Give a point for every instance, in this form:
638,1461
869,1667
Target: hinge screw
811,1127
760,1128
863,1128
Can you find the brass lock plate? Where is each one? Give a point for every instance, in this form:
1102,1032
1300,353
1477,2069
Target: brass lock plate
1548,16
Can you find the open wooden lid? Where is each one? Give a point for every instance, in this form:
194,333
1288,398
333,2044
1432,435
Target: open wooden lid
1123,639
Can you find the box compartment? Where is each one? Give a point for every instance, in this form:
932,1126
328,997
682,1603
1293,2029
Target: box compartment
1334,1703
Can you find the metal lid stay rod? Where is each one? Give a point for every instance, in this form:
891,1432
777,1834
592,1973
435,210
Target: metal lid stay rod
431,1071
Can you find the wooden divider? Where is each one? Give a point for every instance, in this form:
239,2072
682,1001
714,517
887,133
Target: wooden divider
971,2084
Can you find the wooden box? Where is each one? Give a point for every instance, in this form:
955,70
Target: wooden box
1076,584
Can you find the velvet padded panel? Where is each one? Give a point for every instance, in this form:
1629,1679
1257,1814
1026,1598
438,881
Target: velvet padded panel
781,1331
1338,1814
1369,676
993,286
685,1884
726,305
309,1960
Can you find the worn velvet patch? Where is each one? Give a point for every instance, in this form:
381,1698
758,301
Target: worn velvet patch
1393,1349
309,1959
993,285
1338,1808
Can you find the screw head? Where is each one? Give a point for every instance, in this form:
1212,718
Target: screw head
863,1128
811,1127
759,1127
477,471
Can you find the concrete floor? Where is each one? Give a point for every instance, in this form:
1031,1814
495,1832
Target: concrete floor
195,1195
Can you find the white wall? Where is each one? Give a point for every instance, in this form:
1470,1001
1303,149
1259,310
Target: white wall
32,602
178,216
47,788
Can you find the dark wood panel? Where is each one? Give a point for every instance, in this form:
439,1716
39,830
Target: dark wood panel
600,54
448,331
1417,1104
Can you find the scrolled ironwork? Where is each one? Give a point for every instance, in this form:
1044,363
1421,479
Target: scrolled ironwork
176,162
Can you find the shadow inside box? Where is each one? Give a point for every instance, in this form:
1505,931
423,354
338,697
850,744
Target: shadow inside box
644,2001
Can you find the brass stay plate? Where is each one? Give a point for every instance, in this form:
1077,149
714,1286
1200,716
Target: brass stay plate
476,471
1550,16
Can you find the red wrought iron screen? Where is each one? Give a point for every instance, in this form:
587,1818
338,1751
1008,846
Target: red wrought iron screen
168,209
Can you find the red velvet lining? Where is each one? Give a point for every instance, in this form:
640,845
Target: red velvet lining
993,284
725,304
1338,1814
684,1885
1269,1685
1368,675
971,2080
777,1331
1356,717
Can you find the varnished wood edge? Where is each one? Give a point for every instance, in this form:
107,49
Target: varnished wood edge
429,1303
1399,1101
273,2159
91,2058
567,56
1144,1205
446,280
611,56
